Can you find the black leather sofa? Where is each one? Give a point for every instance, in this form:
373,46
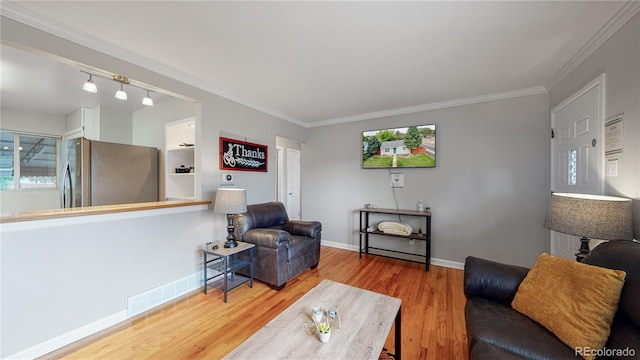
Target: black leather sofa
496,331
284,248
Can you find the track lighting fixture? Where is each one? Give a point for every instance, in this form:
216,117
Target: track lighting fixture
89,86
147,100
121,94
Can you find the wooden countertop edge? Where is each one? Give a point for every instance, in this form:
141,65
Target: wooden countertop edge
97,210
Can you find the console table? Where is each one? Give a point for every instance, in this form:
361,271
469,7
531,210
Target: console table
425,236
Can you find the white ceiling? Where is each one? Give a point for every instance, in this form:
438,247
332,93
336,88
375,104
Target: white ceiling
38,83
316,63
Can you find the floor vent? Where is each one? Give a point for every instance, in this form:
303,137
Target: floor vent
137,304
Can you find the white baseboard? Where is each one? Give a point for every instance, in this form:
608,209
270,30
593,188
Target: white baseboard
135,305
447,263
339,245
434,261
70,337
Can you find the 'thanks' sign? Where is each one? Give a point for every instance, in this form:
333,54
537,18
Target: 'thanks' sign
242,155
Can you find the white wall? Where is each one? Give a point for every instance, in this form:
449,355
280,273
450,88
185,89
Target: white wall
619,59
115,125
50,308
488,192
37,123
64,274
223,117
149,123
149,128
31,121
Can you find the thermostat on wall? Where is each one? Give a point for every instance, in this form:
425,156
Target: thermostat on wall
227,178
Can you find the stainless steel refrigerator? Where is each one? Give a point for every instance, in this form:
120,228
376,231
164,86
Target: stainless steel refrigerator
103,173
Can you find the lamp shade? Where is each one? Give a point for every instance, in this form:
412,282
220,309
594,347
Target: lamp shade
121,94
147,101
590,216
90,86
230,201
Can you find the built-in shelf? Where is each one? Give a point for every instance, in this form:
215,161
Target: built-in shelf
180,185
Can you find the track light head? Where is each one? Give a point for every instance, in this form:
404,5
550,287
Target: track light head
89,86
147,100
121,94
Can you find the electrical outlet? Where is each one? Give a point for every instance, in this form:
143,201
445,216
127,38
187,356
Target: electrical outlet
397,180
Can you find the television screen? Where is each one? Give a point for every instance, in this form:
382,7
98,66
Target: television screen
405,147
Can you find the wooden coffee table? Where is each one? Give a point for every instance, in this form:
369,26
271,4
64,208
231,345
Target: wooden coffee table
366,318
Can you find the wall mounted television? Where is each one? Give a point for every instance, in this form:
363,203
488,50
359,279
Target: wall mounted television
403,147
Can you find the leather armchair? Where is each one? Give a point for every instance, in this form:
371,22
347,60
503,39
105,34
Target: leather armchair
497,331
284,248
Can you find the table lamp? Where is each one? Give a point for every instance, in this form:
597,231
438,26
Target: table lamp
590,217
230,201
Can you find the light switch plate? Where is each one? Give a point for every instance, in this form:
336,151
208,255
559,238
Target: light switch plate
612,167
227,178
397,180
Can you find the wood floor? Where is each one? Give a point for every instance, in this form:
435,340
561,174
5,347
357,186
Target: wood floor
200,326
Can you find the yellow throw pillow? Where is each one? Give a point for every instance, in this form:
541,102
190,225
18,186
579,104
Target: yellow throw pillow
575,301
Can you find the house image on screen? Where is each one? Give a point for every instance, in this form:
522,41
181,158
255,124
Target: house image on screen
396,147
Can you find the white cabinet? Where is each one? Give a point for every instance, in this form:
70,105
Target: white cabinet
87,123
83,122
180,156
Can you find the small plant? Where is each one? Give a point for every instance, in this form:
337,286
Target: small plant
324,327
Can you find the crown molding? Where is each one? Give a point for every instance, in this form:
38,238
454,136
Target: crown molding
621,18
14,11
433,106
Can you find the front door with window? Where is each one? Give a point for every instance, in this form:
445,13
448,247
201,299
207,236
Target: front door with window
576,152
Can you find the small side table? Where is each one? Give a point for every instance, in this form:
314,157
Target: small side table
222,258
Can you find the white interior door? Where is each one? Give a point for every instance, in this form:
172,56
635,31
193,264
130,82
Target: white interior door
576,152
293,184
280,178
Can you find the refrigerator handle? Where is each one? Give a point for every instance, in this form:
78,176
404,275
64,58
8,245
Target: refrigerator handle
66,179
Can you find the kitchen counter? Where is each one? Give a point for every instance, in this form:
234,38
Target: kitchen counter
96,210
